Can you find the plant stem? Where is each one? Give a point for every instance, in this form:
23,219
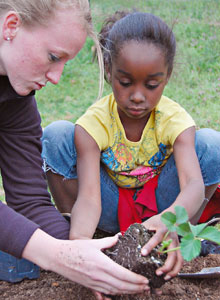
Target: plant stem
170,250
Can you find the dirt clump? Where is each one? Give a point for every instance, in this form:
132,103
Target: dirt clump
127,253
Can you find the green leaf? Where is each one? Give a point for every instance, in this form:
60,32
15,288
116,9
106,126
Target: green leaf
183,229
181,215
217,226
169,219
210,233
197,229
190,248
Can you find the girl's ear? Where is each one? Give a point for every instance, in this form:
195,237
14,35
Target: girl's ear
169,73
11,25
168,78
109,77
108,74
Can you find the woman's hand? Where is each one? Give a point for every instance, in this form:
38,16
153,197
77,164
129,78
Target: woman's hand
83,261
174,259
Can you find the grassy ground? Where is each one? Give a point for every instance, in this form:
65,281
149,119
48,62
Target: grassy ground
195,83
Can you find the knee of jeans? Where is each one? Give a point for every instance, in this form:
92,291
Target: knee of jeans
208,141
58,143
58,131
208,149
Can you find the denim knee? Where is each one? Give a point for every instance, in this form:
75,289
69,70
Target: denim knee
58,149
207,144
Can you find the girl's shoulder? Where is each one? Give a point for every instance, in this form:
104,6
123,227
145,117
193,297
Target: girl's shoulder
102,107
97,120
106,103
166,103
171,119
168,107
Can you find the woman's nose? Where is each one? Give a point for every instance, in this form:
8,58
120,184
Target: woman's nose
54,74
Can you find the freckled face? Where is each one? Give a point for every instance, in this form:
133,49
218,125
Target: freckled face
38,54
138,78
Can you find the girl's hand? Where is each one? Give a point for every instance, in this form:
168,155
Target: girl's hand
174,259
100,296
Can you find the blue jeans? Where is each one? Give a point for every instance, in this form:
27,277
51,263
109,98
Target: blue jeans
59,155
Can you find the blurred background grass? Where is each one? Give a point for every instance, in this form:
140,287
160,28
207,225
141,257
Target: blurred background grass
195,82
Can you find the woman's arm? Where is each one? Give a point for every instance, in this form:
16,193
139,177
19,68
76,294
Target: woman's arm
22,175
86,211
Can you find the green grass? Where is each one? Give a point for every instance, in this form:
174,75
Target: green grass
195,83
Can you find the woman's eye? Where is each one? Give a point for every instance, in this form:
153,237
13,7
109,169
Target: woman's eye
53,58
125,84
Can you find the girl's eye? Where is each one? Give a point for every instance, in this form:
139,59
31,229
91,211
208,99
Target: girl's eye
125,84
53,58
152,86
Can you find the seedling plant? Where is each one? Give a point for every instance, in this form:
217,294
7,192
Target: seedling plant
190,235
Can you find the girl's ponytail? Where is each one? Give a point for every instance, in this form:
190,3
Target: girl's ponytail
108,24
104,38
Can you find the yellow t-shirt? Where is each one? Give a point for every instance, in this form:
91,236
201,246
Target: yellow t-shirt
132,164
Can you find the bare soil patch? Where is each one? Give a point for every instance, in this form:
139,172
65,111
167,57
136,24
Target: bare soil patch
50,286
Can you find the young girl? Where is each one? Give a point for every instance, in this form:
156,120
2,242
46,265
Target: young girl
149,149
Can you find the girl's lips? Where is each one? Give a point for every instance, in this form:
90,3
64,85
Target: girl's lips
135,111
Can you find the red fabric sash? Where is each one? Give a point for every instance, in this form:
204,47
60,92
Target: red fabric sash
145,206
133,211
212,208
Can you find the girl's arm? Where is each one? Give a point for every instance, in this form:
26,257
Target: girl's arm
191,197
86,211
192,189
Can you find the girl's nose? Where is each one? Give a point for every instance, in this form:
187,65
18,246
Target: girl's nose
137,97
54,74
